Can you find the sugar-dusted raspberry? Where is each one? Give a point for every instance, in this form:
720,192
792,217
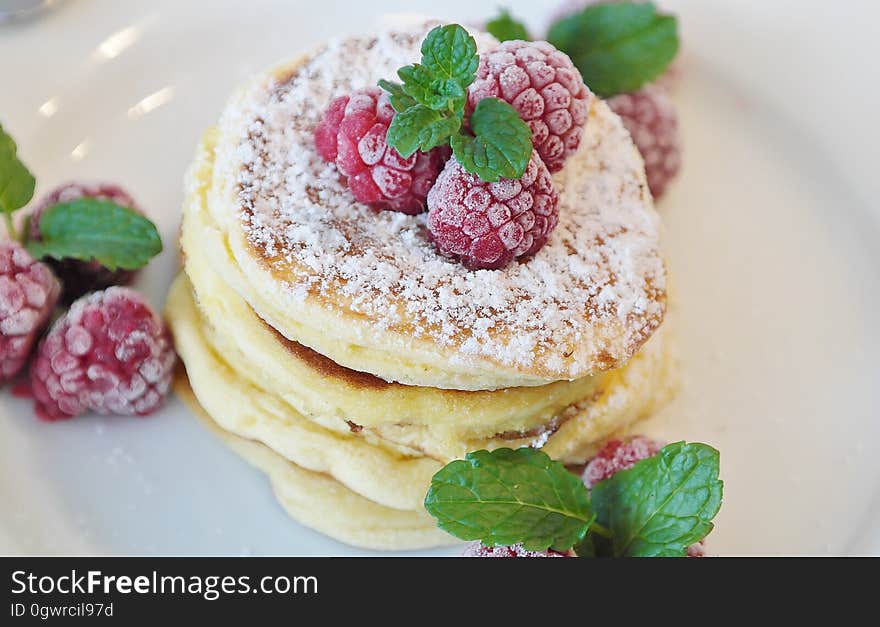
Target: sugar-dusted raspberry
619,455
111,353
649,115
352,135
80,277
477,549
488,225
544,87
28,294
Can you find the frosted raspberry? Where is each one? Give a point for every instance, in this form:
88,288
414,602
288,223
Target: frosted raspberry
544,87
488,225
110,354
649,115
28,294
478,549
80,277
352,135
619,455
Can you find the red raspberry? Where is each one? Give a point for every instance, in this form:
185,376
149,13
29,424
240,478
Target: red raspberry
80,277
352,135
110,354
28,294
478,549
545,88
619,455
488,225
649,115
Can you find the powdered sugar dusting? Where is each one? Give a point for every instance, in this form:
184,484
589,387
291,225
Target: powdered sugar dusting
601,266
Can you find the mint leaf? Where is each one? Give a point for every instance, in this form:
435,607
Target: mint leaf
502,145
440,94
398,98
416,83
404,133
661,505
16,182
439,82
617,47
449,52
507,497
505,27
87,228
437,133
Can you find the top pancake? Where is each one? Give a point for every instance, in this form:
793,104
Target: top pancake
368,290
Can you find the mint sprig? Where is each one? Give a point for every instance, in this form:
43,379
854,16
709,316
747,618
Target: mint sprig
505,27
400,101
450,53
449,65
430,110
659,507
508,497
16,181
88,228
501,145
617,47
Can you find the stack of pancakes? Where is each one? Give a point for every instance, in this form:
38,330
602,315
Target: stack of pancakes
335,349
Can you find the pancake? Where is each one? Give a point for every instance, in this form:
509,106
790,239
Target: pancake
390,464
453,422
367,290
332,347
318,501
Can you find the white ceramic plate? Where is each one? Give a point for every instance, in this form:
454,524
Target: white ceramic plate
771,233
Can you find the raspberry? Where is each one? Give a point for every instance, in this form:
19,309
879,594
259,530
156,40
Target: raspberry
619,455
649,115
80,277
545,88
488,225
478,549
352,135
28,294
110,354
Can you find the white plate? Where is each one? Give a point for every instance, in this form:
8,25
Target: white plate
772,235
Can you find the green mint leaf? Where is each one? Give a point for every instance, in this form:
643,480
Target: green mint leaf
617,47
87,228
439,82
661,505
399,99
505,27
437,133
450,53
16,181
507,497
404,133
502,142
440,94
